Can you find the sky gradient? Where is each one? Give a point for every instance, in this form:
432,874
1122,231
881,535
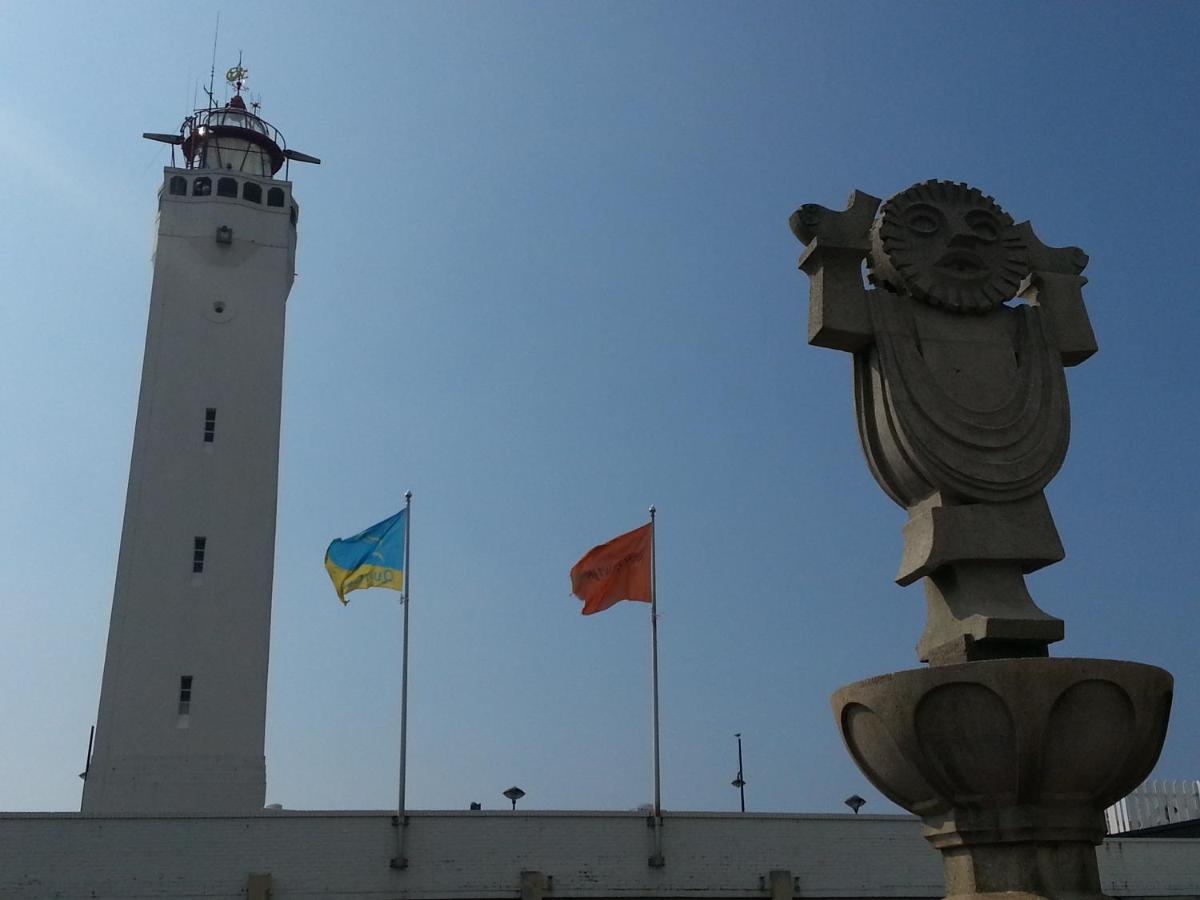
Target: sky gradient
545,280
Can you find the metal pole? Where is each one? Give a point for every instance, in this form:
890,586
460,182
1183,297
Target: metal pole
656,860
400,861
87,764
741,777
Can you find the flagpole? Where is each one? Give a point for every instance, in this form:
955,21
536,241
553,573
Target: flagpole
400,861
656,860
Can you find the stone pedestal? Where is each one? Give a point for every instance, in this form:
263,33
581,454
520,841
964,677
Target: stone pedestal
1010,763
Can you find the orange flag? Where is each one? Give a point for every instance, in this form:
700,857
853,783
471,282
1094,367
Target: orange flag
616,571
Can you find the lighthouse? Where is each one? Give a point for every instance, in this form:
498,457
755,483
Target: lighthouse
182,714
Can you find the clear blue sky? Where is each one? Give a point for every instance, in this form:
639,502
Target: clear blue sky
545,280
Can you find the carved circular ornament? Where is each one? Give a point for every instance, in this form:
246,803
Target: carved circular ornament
947,244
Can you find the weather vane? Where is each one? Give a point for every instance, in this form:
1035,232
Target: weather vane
237,74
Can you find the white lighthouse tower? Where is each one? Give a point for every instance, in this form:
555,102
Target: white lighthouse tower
183,701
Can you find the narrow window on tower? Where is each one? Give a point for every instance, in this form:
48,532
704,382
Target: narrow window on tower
185,701
227,187
202,187
252,192
198,554
210,424
275,197
178,185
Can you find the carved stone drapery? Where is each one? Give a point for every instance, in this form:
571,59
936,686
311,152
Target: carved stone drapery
961,399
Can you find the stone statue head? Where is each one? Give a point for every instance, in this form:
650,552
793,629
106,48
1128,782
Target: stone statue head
949,245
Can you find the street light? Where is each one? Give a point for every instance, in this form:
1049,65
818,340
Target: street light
514,794
740,782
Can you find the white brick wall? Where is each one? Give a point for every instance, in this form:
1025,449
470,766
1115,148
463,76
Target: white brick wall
481,855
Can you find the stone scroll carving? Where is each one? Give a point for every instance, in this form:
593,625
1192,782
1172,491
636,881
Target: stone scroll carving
959,345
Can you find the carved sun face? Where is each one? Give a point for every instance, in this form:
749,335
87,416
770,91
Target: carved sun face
949,245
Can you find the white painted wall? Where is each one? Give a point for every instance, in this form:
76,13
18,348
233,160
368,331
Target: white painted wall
320,855
214,339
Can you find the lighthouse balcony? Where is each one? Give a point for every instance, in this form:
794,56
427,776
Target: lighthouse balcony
233,138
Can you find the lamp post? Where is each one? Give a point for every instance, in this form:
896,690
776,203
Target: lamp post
514,794
740,782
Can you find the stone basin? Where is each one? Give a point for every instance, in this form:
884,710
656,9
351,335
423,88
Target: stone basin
1010,762
1011,749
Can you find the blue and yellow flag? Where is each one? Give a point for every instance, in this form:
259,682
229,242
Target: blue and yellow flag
372,558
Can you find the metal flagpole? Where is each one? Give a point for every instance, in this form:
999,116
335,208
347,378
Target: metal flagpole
400,861
656,860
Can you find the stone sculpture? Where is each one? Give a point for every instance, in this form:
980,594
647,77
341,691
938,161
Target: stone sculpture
959,348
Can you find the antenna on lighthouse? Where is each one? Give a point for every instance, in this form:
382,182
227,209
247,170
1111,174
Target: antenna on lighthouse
212,71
